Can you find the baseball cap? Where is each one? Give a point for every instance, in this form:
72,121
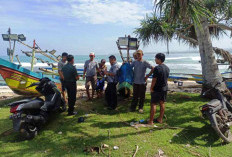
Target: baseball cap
92,54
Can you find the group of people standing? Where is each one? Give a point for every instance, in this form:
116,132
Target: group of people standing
95,74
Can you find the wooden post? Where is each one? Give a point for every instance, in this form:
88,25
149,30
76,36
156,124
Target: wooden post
128,54
9,32
10,50
33,56
120,52
12,57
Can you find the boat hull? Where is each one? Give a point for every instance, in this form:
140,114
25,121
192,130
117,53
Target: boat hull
18,78
227,82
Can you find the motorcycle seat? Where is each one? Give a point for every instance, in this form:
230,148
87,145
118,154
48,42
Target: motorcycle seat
32,105
214,103
19,102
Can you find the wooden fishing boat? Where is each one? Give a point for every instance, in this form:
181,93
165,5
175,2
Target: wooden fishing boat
18,78
227,80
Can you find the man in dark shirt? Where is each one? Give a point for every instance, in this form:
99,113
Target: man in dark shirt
70,77
61,64
159,88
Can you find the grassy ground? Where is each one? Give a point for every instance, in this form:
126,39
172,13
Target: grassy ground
195,137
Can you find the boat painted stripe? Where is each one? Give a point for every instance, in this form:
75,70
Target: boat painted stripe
6,69
19,68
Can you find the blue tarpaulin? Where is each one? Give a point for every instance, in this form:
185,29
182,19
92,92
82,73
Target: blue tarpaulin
125,74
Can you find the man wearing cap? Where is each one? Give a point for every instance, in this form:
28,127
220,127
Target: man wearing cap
61,64
139,87
90,72
111,90
70,77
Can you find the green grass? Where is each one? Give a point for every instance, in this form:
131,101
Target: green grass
194,138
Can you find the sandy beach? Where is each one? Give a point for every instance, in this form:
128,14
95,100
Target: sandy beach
188,86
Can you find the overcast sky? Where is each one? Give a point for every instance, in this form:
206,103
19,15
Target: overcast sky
80,26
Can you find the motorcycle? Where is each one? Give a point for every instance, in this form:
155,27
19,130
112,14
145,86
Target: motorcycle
29,115
219,113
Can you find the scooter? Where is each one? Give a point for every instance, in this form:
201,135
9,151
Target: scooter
29,115
219,113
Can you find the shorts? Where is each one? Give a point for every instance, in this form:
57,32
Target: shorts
62,85
156,97
91,80
100,84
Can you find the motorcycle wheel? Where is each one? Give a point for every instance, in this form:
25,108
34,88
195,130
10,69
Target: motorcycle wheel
28,131
221,128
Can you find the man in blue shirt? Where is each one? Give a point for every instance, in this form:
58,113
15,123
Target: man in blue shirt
111,90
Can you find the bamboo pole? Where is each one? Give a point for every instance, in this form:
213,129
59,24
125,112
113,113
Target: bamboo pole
120,52
47,51
41,52
9,32
33,56
17,57
10,50
128,50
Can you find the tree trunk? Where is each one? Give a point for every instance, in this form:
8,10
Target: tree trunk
210,71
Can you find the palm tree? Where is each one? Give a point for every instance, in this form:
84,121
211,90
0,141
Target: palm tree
193,22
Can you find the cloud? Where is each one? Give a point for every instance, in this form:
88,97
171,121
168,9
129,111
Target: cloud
105,11
119,12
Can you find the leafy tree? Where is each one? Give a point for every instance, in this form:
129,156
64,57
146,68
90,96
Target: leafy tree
193,22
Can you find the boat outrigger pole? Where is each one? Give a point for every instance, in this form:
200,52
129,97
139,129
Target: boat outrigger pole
33,56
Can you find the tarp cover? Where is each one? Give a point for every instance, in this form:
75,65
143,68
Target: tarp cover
125,74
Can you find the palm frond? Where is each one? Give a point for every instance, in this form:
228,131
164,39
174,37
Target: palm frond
155,29
224,54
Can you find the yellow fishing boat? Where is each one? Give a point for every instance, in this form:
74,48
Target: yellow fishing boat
18,78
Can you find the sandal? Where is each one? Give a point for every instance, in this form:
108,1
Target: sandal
156,120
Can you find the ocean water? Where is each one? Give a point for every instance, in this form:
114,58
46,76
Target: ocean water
181,63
